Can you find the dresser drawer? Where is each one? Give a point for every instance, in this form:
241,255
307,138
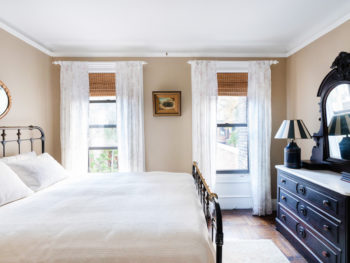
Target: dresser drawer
288,200
287,183
309,193
324,226
323,252
287,220
322,201
319,248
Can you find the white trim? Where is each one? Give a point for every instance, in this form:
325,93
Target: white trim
234,196
232,66
175,54
233,182
27,40
288,53
318,35
232,178
99,67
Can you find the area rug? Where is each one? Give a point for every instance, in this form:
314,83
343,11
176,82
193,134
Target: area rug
252,251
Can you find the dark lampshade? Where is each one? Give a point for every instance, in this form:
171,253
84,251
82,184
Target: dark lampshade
293,129
339,125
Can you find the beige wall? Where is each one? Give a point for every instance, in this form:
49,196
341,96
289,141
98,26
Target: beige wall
34,84
305,71
168,140
27,73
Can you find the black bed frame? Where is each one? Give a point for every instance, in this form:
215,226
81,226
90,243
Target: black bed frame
19,140
212,213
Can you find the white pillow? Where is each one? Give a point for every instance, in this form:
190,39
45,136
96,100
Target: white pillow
23,156
11,187
40,172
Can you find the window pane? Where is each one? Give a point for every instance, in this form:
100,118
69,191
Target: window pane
103,161
102,113
101,137
232,109
232,148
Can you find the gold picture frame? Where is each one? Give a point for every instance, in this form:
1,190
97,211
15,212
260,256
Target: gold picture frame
6,92
166,103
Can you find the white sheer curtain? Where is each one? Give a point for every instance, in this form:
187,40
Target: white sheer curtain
74,115
204,97
259,123
130,124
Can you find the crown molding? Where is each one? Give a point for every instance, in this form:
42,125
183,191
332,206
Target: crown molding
317,35
290,52
172,54
26,39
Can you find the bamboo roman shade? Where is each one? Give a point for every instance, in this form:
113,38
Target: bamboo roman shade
102,84
232,84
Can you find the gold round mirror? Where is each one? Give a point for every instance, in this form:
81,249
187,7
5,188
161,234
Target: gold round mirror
5,100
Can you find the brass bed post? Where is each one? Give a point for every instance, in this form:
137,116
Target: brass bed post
214,218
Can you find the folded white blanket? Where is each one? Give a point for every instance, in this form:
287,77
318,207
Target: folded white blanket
123,217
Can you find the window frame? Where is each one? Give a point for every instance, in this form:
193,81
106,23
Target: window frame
103,126
234,125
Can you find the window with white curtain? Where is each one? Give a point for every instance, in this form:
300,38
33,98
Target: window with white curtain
103,142
232,129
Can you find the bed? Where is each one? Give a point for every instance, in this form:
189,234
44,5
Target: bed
121,217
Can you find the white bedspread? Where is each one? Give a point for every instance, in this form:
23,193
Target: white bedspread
124,217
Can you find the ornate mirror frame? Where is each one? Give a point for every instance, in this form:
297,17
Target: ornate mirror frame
320,158
2,84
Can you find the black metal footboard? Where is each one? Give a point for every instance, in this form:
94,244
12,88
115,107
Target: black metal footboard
212,212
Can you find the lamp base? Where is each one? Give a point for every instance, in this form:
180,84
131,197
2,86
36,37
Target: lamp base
344,147
292,156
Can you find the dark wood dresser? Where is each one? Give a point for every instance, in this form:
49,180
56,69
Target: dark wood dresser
313,213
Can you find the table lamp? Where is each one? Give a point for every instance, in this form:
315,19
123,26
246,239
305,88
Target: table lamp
292,129
340,125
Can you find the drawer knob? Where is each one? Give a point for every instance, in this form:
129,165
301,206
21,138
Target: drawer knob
302,189
284,198
326,203
283,181
284,217
325,254
303,210
326,228
301,232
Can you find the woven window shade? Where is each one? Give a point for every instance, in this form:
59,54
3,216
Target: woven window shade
102,84
232,84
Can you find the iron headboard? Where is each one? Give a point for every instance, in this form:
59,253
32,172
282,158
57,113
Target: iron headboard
19,140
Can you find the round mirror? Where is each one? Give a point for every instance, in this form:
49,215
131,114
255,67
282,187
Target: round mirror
338,122
5,100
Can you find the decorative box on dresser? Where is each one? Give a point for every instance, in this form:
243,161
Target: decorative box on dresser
313,213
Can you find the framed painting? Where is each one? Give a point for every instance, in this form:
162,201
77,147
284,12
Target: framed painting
166,103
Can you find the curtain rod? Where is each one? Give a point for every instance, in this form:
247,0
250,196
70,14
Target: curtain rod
272,62
58,62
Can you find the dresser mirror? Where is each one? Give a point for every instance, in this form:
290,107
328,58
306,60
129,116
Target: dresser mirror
338,121
332,149
5,100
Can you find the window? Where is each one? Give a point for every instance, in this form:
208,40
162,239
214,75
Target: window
232,131
103,142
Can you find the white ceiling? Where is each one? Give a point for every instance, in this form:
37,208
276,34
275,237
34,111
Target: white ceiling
179,27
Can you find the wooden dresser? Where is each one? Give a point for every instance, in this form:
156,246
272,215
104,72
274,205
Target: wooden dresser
313,213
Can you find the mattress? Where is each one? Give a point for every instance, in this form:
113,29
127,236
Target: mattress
122,217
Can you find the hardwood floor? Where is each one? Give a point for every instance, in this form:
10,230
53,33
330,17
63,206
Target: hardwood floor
240,224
